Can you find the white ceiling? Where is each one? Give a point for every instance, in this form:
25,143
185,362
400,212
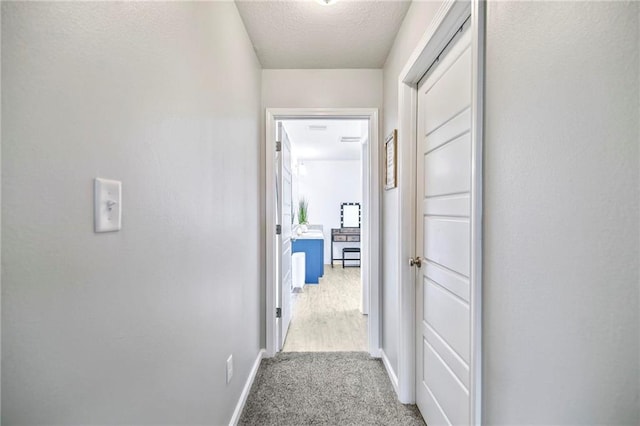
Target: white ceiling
304,34
325,144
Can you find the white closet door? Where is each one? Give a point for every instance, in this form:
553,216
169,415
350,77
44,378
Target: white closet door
444,237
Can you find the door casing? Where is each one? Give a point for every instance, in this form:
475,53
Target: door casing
451,15
370,233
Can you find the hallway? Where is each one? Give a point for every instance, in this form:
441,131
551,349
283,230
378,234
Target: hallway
326,317
325,388
530,274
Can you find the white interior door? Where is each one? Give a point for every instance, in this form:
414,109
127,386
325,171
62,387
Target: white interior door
443,242
284,239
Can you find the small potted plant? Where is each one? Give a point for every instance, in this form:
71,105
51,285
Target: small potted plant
303,211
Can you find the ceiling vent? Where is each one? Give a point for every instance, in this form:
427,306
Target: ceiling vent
317,127
350,139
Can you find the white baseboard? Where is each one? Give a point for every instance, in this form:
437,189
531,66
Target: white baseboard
247,388
392,374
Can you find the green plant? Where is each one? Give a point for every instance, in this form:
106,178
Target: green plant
303,210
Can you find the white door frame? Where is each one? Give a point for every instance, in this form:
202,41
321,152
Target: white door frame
445,24
370,233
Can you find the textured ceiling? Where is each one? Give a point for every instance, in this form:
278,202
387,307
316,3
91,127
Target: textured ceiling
305,34
307,144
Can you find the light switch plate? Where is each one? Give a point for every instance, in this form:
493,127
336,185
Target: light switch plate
107,209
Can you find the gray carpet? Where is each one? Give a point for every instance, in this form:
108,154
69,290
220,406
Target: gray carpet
325,388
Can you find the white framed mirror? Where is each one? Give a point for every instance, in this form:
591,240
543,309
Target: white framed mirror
350,215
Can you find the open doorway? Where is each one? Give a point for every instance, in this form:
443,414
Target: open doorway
326,298
326,223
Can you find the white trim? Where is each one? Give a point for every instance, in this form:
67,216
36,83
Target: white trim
406,220
370,236
478,26
447,21
246,389
364,273
445,24
392,374
377,353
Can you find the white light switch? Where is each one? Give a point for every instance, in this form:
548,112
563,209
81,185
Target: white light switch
107,209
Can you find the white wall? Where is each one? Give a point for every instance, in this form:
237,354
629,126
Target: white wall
416,21
326,186
561,213
131,327
344,88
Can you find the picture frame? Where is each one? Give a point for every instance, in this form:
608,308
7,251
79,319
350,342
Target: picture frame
391,160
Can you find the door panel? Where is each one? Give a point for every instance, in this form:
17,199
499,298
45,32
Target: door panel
447,315
446,169
448,391
451,94
448,243
458,205
449,130
430,408
457,365
284,219
443,208
455,283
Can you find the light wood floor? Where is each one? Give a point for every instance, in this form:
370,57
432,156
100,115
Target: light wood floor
326,316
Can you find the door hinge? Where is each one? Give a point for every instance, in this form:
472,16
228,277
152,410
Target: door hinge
278,229
278,312
278,146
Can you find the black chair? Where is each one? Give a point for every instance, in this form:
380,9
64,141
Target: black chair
351,250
